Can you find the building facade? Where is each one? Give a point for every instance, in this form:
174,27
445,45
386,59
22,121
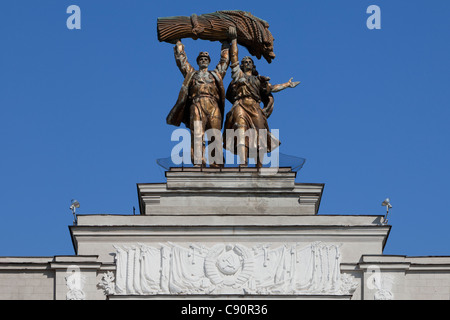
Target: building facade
225,234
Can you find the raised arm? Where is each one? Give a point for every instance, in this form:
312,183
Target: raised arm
224,62
279,87
181,59
232,34
236,71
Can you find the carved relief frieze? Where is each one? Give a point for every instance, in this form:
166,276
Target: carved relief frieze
231,268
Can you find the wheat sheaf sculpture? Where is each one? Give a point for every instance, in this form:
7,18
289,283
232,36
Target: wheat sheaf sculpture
252,32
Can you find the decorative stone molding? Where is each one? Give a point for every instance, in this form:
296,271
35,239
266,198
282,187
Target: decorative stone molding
230,269
381,282
383,294
348,284
107,283
75,283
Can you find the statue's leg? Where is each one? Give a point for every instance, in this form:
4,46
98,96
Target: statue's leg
258,160
262,147
242,147
197,124
215,147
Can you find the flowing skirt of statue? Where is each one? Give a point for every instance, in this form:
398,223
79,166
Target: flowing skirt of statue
247,114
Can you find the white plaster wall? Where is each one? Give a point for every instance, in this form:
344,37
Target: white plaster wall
427,286
26,285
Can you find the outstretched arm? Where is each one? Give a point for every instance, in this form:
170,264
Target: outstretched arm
181,59
279,87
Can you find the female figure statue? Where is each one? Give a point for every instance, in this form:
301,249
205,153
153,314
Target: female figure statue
246,91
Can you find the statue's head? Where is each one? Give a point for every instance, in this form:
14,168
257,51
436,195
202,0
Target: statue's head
248,65
203,59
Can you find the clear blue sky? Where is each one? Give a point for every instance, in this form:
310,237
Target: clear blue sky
82,112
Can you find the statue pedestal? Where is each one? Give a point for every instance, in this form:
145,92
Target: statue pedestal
228,233
230,191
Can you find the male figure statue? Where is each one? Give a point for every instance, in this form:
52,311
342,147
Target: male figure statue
201,101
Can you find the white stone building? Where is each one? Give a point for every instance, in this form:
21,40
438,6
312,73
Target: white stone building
224,234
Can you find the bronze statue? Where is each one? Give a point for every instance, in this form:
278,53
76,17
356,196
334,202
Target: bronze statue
202,96
201,99
252,32
246,91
